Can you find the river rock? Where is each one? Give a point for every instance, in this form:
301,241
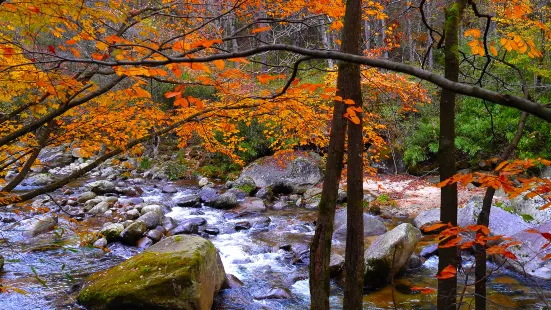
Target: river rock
208,194
232,282
336,264
224,201
192,201
100,208
144,243
181,272
85,196
112,232
169,223
531,206
39,225
100,243
153,208
265,193
389,253
427,217
251,204
314,192
156,234
132,214
203,181
212,231
1,262
101,187
246,184
151,219
530,253
280,205
275,293
186,227
169,189
372,226
133,191
285,173
239,193
429,250
244,225
134,232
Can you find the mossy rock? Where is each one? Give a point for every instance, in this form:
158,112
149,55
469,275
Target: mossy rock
179,272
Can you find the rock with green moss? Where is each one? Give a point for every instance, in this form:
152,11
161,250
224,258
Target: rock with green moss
179,272
1,262
389,253
112,232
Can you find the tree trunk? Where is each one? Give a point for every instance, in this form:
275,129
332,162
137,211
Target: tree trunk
354,253
484,219
320,250
447,288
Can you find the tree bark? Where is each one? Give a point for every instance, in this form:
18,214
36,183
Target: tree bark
320,250
354,252
447,288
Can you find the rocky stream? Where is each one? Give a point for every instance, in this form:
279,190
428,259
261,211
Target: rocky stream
260,225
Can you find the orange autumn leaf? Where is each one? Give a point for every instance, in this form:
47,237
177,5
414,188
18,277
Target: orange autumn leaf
447,273
510,255
453,242
240,59
172,94
206,43
220,64
545,206
423,290
467,245
433,227
261,29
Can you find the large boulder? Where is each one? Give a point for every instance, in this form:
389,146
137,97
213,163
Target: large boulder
288,173
427,218
530,207
39,225
39,179
180,272
389,253
372,226
531,252
55,156
501,222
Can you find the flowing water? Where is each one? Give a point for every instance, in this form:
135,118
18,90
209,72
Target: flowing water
49,268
